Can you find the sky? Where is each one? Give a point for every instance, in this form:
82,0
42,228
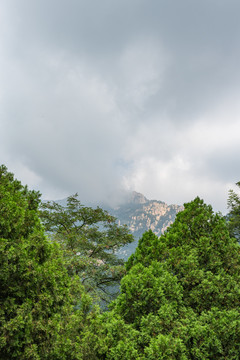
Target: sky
100,97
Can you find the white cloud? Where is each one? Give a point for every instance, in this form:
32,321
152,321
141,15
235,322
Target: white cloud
177,163
142,65
133,93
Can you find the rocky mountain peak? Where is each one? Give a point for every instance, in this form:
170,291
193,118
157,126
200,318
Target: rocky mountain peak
137,198
141,214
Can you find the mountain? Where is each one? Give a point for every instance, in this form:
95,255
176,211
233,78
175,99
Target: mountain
141,214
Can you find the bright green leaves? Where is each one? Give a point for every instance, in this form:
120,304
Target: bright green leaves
234,214
212,335
165,347
145,290
18,207
89,239
147,250
37,297
181,292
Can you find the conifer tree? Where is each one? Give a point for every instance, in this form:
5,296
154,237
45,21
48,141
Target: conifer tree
234,214
90,239
37,316
180,298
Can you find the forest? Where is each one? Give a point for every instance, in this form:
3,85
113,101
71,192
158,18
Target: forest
60,277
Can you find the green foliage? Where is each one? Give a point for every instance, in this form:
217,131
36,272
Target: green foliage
18,205
180,297
234,214
89,239
36,293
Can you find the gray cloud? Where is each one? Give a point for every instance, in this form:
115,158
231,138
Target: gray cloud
97,96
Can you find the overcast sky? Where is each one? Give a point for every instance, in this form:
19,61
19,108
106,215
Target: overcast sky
100,96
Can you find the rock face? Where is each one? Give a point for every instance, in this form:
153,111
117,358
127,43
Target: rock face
141,214
137,198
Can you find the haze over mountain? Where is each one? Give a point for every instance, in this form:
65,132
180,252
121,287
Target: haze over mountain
141,214
99,96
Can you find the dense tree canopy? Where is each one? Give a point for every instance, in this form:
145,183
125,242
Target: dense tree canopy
89,239
234,214
180,298
36,293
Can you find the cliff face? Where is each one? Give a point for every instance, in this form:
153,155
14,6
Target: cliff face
141,214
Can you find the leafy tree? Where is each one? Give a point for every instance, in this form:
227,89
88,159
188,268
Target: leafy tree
234,214
37,320
89,239
180,296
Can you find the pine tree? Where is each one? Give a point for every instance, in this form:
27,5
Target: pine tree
37,316
90,239
234,214
180,297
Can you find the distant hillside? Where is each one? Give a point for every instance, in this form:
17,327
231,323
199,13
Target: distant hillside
141,214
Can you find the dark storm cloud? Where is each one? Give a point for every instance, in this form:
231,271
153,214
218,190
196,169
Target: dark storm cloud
99,94
200,38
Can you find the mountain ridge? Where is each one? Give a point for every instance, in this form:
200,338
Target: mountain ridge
141,214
